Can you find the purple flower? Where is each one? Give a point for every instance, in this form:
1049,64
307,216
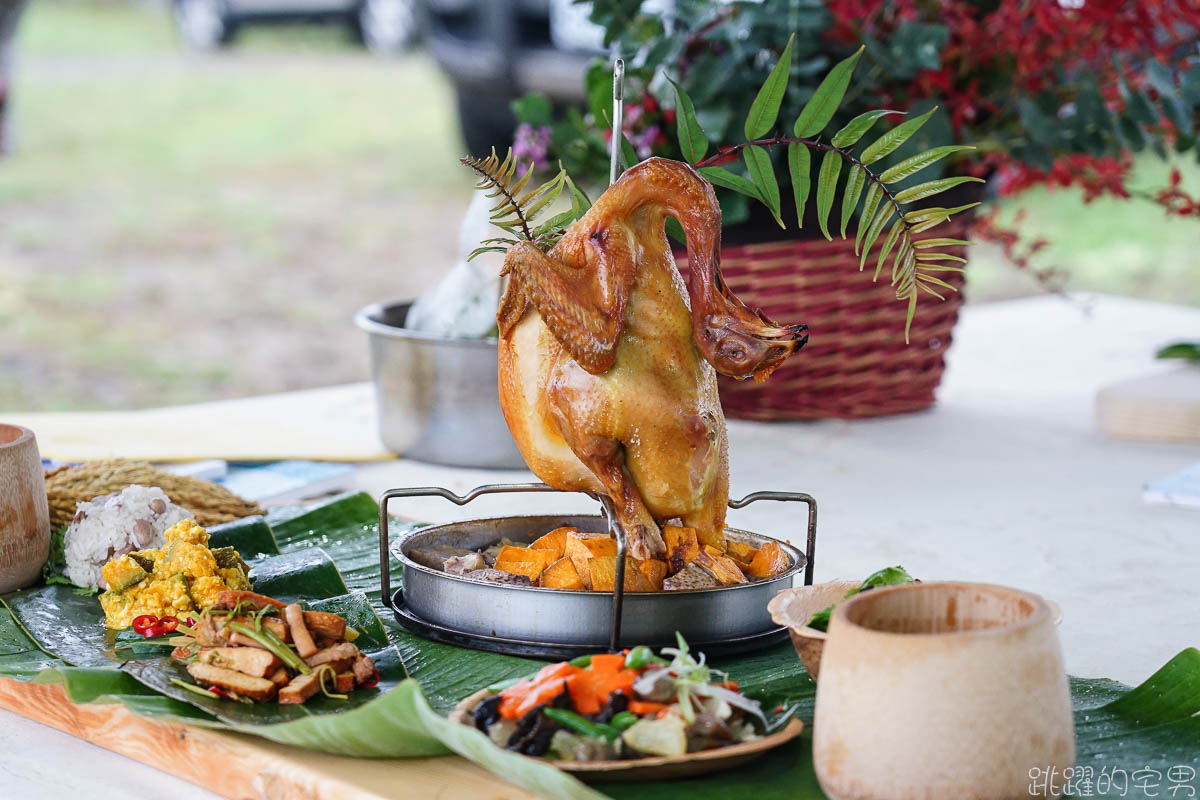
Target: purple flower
532,144
642,142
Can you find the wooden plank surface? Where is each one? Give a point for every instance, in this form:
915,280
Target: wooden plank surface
1162,408
246,767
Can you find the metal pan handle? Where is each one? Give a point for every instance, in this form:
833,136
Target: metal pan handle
385,561
614,529
791,497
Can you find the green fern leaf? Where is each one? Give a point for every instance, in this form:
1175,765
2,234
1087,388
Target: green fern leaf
885,214
692,141
854,186
730,180
870,204
897,136
930,188
914,164
849,135
765,108
940,257
800,167
827,178
888,244
941,243
937,282
758,162
826,99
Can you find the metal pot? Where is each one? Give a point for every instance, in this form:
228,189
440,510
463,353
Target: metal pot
436,397
556,616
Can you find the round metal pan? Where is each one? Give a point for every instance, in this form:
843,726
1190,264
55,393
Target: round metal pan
560,617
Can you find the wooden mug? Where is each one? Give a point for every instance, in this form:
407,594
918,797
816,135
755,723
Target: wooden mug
942,690
24,513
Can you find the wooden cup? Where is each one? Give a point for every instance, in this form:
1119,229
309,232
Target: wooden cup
942,690
24,513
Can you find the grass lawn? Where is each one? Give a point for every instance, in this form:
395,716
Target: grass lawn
181,227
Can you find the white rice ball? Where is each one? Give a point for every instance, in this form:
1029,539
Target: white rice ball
116,524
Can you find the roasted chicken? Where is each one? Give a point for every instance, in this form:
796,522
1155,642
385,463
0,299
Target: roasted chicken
608,373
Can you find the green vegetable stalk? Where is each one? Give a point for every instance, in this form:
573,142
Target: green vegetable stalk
578,724
888,576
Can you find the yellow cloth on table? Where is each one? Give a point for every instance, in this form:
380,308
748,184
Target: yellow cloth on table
332,424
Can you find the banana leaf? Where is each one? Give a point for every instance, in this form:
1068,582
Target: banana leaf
69,624
1154,726
158,672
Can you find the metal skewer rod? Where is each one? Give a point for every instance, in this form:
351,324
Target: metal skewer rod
618,121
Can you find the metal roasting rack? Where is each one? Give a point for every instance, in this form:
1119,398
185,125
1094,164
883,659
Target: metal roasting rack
531,647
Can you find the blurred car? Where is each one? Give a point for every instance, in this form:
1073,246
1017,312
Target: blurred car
384,26
496,50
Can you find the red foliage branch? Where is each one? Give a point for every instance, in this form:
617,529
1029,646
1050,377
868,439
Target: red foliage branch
993,58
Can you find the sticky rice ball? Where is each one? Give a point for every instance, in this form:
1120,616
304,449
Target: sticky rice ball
114,524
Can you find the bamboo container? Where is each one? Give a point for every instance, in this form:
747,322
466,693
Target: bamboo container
24,515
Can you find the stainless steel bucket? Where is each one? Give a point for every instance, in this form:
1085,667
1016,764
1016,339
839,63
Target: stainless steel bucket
437,398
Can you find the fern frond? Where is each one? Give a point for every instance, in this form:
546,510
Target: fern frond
518,206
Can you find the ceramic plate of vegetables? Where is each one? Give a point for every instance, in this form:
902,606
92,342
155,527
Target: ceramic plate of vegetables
633,715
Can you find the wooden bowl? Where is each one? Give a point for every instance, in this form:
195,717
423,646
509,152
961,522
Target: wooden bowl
656,768
935,691
793,608
24,513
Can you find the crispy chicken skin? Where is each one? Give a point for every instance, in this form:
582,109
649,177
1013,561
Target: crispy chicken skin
608,373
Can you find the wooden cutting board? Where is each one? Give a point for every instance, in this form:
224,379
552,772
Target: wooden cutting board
251,768
1161,408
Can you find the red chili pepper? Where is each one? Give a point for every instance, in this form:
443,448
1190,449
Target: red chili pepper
143,623
154,630
219,691
168,624
191,622
371,684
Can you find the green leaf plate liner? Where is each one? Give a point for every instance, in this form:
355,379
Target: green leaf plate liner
1155,726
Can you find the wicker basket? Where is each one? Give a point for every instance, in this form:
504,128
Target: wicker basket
856,363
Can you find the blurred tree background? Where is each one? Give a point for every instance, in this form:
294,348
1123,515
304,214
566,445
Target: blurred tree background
180,226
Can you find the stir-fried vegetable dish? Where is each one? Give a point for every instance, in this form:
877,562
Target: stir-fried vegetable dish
613,706
254,649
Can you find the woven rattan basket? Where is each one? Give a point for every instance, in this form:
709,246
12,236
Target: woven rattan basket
856,363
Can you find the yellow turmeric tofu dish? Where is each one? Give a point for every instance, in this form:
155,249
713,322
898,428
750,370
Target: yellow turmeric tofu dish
184,575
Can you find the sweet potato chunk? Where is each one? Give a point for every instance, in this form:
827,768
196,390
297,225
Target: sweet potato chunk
603,573
740,551
723,568
769,561
682,547
583,547
655,572
712,539
524,561
561,575
555,541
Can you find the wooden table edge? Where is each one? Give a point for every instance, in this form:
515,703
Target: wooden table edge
250,768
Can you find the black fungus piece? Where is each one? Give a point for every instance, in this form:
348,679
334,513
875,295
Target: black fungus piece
539,738
534,730
487,712
524,726
533,733
617,702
